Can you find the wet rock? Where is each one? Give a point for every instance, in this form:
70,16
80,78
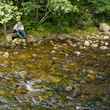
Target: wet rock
15,53
6,55
54,58
22,74
3,65
76,92
3,100
106,37
94,45
29,87
53,51
106,43
34,55
9,38
52,42
23,42
69,97
63,36
82,108
103,47
104,27
77,53
92,76
87,43
70,43
30,39
68,88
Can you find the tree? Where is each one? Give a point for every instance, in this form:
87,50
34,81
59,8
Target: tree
7,12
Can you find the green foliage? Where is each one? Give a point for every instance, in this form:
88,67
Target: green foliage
8,12
101,5
64,6
60,13
28,7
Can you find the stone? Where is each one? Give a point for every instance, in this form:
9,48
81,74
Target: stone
77,53
55,47
30,39
92,76
53,51
16,41
87,43
103,47
106,43
9,38
68,88
94,45
34,55
6,54
105,37
22,74
104,27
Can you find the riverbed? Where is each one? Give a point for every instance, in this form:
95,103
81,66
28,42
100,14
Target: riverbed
56,74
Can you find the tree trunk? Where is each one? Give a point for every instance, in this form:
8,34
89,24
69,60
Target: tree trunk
4,29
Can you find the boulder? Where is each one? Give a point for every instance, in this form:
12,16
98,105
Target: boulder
6,55
104,27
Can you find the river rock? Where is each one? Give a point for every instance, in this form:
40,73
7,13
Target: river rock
94,45
6,55
106,37
106,43
104,27
9,38
68,88
86,43
77,53
103,47
30,39
53,51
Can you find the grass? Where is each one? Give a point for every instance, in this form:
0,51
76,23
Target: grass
47,30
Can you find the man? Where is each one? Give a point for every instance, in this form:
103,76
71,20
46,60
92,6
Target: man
19,30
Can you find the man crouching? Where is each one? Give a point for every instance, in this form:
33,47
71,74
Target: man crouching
18,29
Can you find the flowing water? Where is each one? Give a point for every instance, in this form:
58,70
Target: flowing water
54,75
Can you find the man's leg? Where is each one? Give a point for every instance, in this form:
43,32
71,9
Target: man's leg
23,34
18,33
